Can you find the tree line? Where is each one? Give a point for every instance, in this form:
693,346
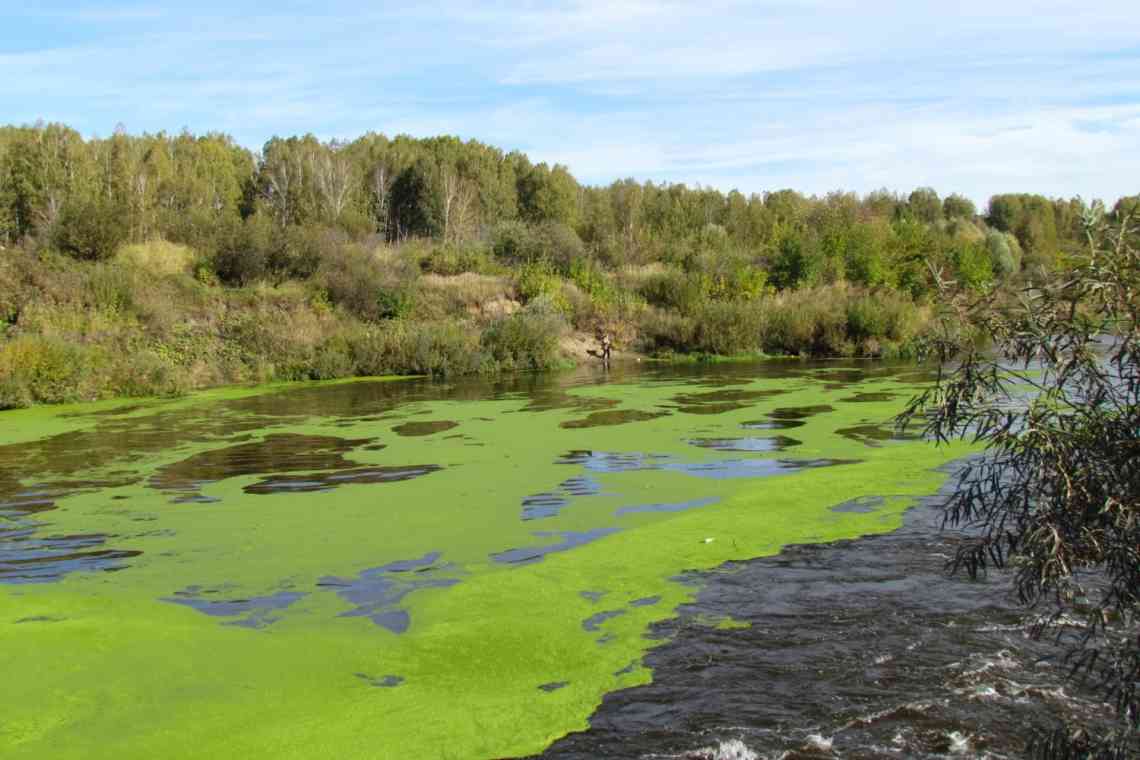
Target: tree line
249,212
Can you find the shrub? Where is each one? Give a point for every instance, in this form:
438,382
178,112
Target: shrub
972,264
560,245
727,328
515,243
528,339
148,373
90,229
332,359
111,287
451,260
797,263
244,251
354,280
666,332
539,280
589,277
43,370
1005,259
158,257
405,348
674,289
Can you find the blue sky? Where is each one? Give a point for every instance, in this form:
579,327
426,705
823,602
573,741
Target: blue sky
970,97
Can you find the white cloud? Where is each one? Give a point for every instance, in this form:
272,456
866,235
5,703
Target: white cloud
974,97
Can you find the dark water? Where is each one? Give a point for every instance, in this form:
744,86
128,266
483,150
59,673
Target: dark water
857,649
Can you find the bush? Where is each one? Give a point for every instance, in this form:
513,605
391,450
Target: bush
451,260
727,328
43,370
404,348
528,339
158,257
332,359
111,287
840,321
515,243
973,267
674,289
797,263
518,243
244,251
666,332
539,280
354,280
90,229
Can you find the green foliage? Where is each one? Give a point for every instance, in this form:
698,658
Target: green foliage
527,340
1056,495
958,207
514,242
320,242
431,348
43,370
354,279
675,290
450,260
973,266
797,263
538,280
90,229
112,287
244,251
1002,258
547,195
865,257
1032,219
589,276
727,328
924,205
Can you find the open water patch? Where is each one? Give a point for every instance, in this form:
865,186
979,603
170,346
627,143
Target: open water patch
277,453
377,592
248,612
381,682
874,435
603,461
553,686
800,412
677,506
722,401
594,623
869,397
550,503
861,505
328,481
859,648
30,554
612,417
757,445
772,424
422,428
569,539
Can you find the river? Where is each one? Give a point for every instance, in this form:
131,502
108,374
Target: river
687,561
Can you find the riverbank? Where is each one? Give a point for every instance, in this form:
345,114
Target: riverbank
152,321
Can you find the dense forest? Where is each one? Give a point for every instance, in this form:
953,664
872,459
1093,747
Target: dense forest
159,263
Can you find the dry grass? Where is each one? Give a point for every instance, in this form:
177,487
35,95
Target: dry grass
158,257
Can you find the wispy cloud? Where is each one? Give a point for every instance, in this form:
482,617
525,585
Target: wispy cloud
977,97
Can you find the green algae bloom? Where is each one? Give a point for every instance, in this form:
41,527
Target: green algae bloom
405,569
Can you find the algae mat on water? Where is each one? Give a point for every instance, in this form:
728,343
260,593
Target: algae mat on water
402,568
